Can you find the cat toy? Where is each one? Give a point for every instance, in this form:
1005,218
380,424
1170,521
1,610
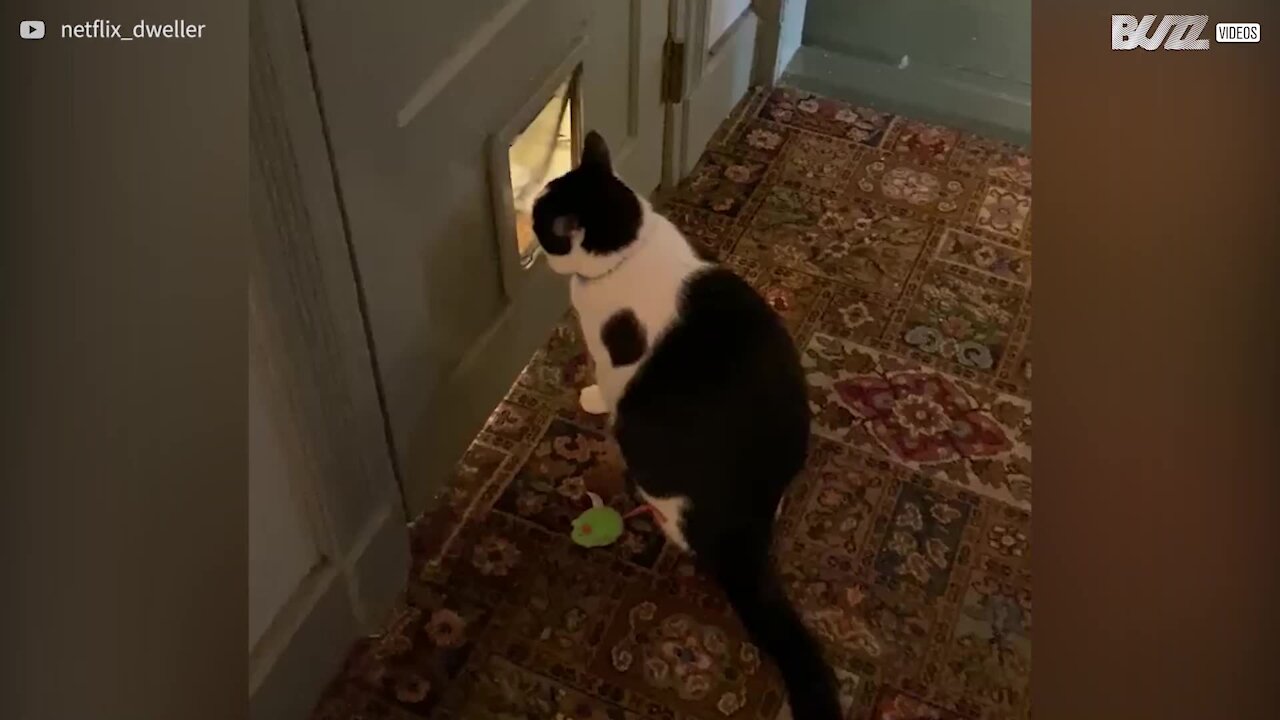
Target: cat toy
601,525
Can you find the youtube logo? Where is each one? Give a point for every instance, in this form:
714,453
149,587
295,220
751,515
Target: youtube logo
31,29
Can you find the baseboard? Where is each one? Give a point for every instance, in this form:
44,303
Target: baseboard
380,571
314,655
347,603
990,106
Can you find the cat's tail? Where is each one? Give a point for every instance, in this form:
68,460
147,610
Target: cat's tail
749,579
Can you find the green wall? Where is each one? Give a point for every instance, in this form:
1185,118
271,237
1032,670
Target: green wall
987,37
969,60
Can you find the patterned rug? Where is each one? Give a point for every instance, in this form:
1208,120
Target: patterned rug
899,255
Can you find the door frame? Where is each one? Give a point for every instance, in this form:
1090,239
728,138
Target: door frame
714,77
779,38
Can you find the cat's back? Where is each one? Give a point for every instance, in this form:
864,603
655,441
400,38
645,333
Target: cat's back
725,335
722,391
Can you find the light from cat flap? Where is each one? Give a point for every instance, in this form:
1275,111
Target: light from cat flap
542,152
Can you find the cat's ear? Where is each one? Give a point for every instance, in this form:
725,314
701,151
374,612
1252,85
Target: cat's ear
595,153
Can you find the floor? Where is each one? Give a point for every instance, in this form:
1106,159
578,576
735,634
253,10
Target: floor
899,255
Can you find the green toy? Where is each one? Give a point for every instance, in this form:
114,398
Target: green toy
598,526
601,525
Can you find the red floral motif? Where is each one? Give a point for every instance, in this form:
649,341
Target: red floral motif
922,417
446,628
778,298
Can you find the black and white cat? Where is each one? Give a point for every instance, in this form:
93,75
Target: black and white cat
705,392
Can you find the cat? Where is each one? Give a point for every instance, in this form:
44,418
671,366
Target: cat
705,395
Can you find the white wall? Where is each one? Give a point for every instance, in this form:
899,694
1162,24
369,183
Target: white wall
782,30
789,36
281,548
723,13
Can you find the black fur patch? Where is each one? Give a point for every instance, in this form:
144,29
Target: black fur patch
606,210
719,411
624,337
719,414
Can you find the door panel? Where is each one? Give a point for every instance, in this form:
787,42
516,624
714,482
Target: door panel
719,48
413,96
327,542
282,548
626,46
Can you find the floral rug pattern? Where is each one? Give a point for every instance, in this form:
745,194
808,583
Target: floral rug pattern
898,253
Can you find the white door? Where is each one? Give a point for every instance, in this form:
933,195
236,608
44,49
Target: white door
718,40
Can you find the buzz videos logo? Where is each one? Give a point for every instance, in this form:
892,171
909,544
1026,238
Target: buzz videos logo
1176,32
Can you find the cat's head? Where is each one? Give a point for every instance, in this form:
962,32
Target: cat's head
585,217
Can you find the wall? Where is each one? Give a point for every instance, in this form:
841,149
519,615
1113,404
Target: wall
984,37
791,29
723,13
778,39
962,63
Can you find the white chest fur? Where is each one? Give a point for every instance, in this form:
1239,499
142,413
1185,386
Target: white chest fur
648,282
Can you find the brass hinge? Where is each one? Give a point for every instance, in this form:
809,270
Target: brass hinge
672,71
